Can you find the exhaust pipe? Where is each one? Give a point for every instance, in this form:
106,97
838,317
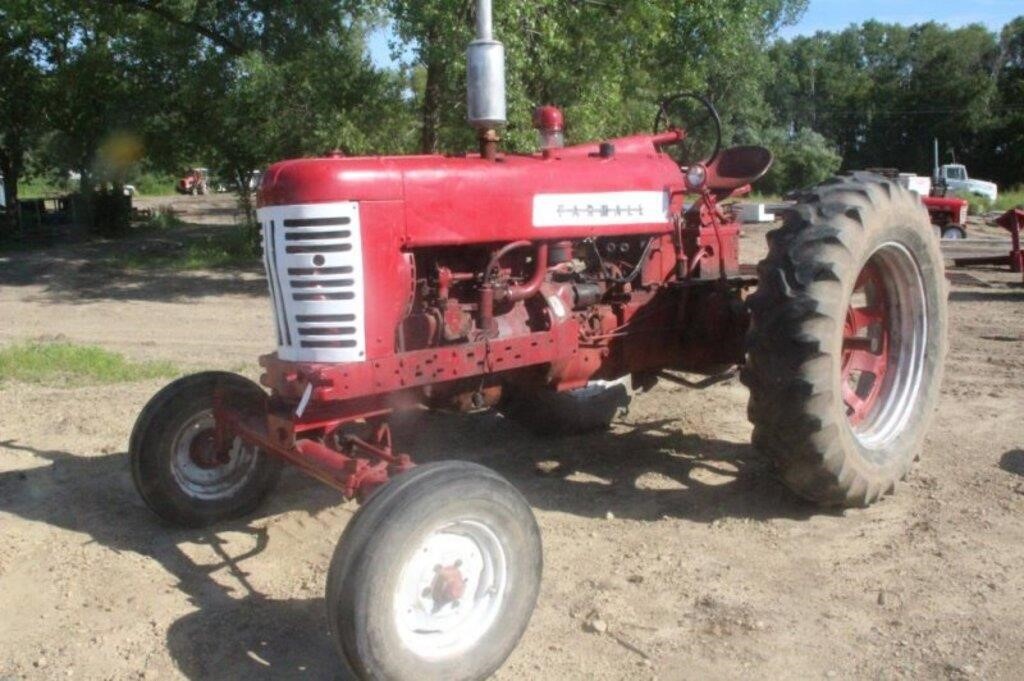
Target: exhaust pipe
485,80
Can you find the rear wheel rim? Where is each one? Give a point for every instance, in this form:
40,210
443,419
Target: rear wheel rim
203,473
451,590
884,341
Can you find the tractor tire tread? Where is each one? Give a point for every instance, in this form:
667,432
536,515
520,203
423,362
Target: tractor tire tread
796,309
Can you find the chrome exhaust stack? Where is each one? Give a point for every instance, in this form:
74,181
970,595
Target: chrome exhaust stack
485,79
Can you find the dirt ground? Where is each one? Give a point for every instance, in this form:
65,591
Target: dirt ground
670,530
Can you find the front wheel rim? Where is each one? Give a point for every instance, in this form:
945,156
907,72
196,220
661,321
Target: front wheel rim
203,473
883,350
451,590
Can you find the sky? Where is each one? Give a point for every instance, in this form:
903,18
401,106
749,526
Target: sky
832,15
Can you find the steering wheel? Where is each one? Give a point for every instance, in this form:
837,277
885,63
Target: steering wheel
686,102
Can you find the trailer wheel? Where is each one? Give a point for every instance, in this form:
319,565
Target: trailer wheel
549,413
954,232
175,466
436,576
848,340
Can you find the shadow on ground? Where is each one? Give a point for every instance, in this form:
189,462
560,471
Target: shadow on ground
641,471
88,271
256,637
1007,295
1013,462
227,637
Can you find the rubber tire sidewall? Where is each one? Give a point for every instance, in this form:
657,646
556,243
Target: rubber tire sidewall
154,433
795,340
900,227
370,556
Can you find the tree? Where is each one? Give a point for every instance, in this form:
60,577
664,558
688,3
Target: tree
881,93
243,84
1007,139
22,92
607,64
235,85
802,159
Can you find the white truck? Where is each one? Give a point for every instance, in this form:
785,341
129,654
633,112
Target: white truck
957,181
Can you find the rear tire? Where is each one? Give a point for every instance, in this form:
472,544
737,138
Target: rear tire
174,467
848,340
436,577
575,412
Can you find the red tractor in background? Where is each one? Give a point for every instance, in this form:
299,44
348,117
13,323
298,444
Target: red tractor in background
535,285
948,214
194,181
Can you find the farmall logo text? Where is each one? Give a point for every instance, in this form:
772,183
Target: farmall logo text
599,209
604,210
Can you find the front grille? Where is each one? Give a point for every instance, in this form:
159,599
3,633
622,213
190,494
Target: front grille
314,263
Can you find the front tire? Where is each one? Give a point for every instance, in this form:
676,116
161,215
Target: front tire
175,467
848,340
436,576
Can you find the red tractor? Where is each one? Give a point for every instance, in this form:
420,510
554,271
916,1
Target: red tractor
948,215
534,284
194,181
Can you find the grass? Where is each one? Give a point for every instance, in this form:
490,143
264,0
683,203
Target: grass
976,205
231,249
41,188
155,184
1011,198
757,197
69,364
146,184
163,218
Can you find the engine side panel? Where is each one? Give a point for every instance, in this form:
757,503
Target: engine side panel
530,198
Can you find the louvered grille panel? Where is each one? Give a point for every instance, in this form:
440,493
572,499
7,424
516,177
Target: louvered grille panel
314,261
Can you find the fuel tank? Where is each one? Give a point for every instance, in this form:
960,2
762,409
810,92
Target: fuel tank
618,187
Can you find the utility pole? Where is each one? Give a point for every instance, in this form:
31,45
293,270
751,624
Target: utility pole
814,99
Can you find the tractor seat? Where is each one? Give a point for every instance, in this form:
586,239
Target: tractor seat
738,166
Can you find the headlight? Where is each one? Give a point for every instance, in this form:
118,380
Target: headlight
696,176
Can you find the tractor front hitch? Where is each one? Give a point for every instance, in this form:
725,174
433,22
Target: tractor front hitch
356,468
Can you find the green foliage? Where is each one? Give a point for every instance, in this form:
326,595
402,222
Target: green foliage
236,85
231,249
68,364
976,204
607,64
163,218
129,91
41,188
1010,198
882,93
801,160
154,184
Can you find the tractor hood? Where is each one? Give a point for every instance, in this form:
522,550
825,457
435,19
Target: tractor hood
574,192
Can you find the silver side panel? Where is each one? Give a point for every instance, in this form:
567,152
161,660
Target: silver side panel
313,255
